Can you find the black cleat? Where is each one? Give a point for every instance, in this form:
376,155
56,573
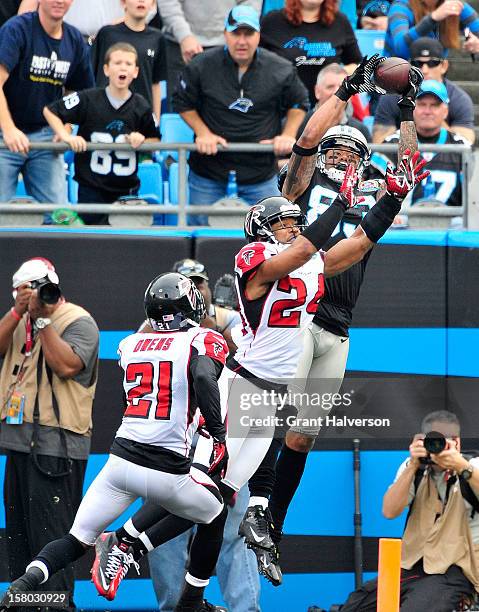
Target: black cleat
255,528
8,600
268,565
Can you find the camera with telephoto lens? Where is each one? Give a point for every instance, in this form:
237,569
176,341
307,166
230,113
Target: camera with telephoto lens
434,442
224,293
48,292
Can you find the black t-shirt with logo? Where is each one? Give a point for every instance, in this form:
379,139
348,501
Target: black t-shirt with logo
310,46
99,121
341,291
150,46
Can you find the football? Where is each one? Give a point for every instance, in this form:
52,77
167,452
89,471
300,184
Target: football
393,75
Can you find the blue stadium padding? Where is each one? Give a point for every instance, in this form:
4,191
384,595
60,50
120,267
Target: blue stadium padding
462,346
402,350
328,511
419,237
174,129
111,231
109,341
215,233
463,239
348,7
370,41
272,5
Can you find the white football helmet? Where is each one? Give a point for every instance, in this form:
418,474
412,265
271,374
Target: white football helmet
344,137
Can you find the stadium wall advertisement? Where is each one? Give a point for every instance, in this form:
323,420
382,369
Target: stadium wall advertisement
413,350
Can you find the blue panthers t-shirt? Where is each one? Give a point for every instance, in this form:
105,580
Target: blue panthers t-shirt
40,67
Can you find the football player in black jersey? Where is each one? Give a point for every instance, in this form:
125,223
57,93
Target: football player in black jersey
106,115
312,179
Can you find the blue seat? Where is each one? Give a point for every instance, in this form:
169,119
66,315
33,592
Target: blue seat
371,41
21,191
151,187
348,7
272,5
174,129
173,183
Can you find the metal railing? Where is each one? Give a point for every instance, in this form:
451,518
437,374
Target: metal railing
469,210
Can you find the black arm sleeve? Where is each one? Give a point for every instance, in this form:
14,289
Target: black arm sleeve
319,232
380,217
205,372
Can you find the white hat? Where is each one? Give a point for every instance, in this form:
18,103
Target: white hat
35,269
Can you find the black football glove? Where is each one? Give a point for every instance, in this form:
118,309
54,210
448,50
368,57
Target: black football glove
219,459
361,79
408,98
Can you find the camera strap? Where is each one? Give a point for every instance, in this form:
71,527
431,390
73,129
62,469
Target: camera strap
36,423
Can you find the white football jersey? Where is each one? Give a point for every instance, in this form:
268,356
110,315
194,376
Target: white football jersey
161,405
271,339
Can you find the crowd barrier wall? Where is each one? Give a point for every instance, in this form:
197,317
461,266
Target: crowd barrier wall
413,350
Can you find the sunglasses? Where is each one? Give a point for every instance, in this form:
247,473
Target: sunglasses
432,63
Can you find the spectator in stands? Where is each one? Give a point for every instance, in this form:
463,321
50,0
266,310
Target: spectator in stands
373,14
439,569
40,55
311,35
410,19
237,94
327,84
9,8
149,44
191,27
428,55
106,115
445,180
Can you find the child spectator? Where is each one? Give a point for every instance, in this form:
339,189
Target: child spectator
106,115
149,44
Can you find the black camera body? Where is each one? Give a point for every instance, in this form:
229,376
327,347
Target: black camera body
48,292
224,293
434,442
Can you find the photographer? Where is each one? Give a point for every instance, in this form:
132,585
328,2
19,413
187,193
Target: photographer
47,383
440,545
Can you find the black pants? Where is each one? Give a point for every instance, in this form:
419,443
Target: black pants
90,195
39,509
419,591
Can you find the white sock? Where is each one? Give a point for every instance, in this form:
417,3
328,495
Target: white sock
197,582
130,529
146,541
258,501
41,566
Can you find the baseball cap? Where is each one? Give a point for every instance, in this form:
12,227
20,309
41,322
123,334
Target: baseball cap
435,88
242,16
426,48
34,269
191,268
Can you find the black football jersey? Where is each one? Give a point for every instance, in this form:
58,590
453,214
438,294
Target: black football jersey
99,121
445,181
342,291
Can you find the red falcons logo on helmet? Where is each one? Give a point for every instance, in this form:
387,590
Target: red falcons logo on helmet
217,348
247,256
